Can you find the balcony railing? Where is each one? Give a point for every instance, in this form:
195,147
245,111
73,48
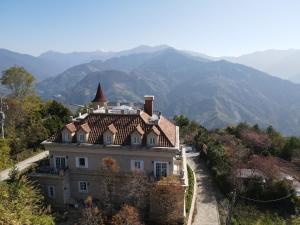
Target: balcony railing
51,171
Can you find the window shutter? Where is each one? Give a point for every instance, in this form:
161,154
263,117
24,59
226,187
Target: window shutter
142,165
132,165
86,162
77,162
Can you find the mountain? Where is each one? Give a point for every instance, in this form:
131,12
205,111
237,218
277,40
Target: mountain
215,93
51,63
282,63
75,58
38,67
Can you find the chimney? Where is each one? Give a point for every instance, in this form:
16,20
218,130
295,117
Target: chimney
148,106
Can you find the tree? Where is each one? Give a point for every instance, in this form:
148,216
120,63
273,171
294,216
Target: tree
18,80
291,148
136,191
167,198
128,215
5,161
90,215
110,169
21,203
181,120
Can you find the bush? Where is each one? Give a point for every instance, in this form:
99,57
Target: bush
190,191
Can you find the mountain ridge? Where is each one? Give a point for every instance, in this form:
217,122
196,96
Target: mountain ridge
215,93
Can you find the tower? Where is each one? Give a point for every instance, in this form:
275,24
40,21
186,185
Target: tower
100,99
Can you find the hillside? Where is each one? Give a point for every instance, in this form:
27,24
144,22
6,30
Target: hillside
215,93
282,63
40,68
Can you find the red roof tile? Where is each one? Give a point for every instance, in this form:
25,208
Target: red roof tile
70,127
85,127
124,124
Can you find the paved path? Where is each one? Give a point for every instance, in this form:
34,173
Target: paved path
206,204
24,164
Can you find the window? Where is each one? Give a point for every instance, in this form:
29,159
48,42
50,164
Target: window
81,137
60,162
108,139
136,140
81,162
151,141
83,186
137,165
67,136
160,169
51,191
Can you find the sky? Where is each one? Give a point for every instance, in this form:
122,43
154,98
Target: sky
213,27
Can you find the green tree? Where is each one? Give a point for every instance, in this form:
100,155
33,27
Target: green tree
18,80
21,203
181,120
291,148
5,160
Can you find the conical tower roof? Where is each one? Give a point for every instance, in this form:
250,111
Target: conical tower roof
99,97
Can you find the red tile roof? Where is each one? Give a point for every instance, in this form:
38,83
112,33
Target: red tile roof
124,125
139,130
70,127
85,127
112,128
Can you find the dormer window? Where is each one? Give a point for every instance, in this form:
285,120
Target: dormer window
83,133
81,137
109,135
152,136
108,139
67,137
136,136
68,132
136,140
151,140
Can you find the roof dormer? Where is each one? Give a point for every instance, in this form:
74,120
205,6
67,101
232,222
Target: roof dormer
83,133
68,132
137,136
109,135
152,136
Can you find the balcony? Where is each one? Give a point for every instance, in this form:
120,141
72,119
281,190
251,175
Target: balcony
46,171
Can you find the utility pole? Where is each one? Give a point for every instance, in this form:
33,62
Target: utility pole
231,206
3,105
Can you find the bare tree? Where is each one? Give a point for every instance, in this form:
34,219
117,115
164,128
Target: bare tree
128,215
167,199
91,215
110,169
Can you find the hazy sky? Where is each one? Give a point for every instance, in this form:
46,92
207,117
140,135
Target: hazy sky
214,27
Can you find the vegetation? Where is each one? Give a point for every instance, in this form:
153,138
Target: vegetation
190,191
19,81
127,215
243,146
29,120
21,203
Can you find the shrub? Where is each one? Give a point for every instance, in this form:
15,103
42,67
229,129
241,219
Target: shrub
190,191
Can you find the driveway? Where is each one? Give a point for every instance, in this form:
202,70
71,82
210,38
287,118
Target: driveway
24,164
206,205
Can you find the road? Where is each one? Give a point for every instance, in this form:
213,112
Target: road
24,164
206,204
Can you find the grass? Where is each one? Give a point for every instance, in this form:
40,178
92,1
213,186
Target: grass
190,191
